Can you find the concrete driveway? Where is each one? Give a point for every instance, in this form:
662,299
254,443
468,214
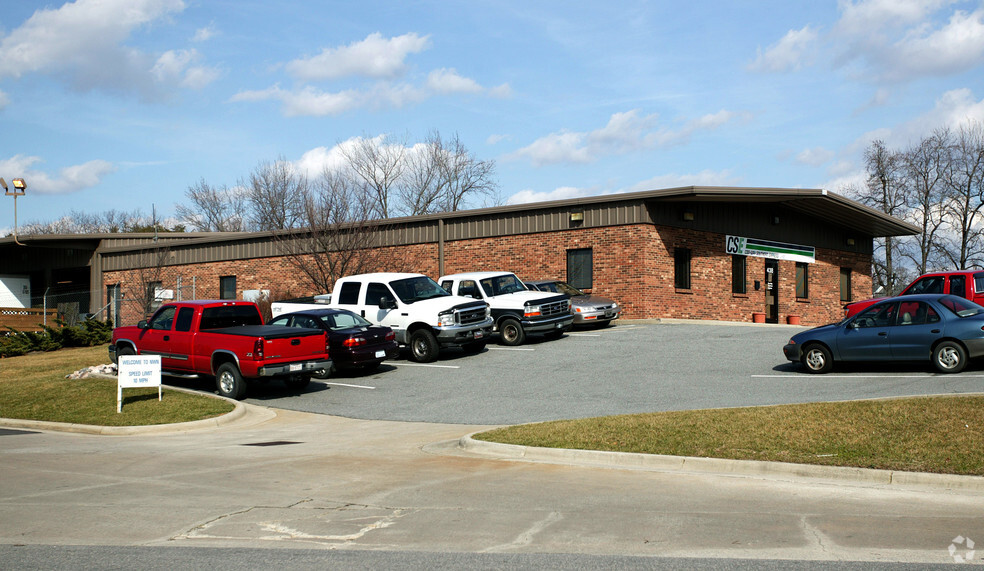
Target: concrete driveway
289,480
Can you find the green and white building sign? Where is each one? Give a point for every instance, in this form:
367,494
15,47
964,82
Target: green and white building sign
769,249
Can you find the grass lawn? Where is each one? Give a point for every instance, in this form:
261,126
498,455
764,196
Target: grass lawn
924,434
34,387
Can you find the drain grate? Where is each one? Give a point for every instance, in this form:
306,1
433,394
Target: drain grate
273,443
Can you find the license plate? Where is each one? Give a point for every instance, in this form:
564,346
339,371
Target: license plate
380,354
479,334
294,367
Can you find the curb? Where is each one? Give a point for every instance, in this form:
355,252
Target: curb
716,466
240,411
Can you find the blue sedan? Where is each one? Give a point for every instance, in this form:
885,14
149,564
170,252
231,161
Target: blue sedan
946,329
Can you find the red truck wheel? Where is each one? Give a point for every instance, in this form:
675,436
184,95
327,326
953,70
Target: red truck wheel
229,382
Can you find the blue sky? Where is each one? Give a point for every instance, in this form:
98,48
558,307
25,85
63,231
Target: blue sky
122,104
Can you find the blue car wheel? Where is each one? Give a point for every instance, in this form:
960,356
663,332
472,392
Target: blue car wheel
817,359
949,357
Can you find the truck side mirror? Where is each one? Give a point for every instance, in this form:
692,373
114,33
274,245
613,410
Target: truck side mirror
142,324
386,302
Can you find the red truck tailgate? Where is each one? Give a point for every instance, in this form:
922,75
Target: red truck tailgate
282,344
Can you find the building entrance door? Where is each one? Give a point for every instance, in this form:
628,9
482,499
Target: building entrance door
771,291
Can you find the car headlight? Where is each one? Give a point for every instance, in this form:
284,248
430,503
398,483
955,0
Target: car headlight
445,319
532,311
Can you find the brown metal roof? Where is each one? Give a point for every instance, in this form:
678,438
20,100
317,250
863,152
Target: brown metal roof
817,203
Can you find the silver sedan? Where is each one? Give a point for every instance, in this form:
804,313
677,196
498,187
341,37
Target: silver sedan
587,309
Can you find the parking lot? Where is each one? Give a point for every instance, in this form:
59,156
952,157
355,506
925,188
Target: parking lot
629,368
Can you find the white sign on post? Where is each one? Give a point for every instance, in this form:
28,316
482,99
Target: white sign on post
137,371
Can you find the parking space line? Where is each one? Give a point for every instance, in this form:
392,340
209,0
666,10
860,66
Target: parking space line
584,335
351,386
510,349
422,365
860,375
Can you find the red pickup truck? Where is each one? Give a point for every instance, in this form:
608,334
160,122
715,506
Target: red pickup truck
964,283
227,340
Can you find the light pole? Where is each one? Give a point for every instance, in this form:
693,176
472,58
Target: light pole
19,187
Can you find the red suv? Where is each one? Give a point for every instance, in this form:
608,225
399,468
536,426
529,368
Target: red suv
965,283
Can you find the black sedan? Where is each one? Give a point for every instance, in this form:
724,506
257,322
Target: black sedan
944,329
353,342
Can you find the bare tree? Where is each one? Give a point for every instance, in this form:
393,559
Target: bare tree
964,201
886,190
109,221
212,209
926,167
441,176
142,284
380,167
461,174
275,195
340,235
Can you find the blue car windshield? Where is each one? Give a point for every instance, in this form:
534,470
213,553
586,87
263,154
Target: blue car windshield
961,307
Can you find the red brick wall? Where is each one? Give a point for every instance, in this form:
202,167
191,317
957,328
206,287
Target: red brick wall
631,264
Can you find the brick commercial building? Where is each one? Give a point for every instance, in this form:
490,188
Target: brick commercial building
737,254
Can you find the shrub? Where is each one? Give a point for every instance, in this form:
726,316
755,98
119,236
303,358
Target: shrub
86,334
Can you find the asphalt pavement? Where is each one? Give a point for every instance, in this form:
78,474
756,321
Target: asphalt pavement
636,366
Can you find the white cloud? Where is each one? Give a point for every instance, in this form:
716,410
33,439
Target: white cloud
562,193
83,43
625,132
955,47
310,101
174,66
867,18
448,81
703,178
203,34
4,99
954,109
794,50
69,179
374,57
886,41
815,157
305,102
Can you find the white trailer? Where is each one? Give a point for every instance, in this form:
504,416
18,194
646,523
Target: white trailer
15,291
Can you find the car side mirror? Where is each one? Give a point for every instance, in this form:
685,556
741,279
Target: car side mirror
387,302
142,324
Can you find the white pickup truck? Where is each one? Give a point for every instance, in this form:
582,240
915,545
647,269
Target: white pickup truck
517,311
423,316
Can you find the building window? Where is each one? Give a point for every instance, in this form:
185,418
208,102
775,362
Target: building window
802,280
845,284
579,267
681,268
739,267
227,287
